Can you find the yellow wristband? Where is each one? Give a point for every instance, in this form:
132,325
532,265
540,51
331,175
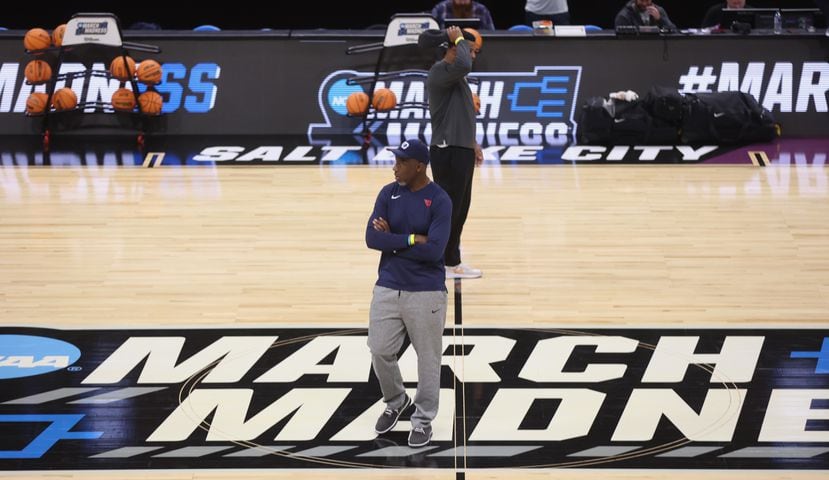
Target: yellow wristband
457,40
411,240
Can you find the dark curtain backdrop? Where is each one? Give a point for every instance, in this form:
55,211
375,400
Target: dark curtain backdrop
359,14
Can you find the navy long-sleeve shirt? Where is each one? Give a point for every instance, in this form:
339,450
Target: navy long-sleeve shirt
428,211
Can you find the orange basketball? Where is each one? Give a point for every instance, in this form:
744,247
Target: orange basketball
36,103
479,40
476,100
149,72
57,35
37,39
150,102
123,100
64,99
120,70
357,103
38,71
384,100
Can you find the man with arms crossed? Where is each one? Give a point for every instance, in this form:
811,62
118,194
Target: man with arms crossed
410,225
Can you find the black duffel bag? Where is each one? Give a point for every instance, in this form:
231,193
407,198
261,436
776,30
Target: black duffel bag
666,104
595,122
633,124
727,118
622,123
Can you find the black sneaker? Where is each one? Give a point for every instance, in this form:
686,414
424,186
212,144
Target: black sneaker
389,418
420,436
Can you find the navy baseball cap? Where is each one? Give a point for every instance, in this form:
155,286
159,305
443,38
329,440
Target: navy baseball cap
413,149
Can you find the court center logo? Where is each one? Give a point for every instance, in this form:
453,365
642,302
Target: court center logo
515,397
534,108
27,355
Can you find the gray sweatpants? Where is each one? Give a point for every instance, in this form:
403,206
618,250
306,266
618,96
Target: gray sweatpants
421,315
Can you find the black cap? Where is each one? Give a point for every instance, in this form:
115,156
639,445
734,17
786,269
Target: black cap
435,38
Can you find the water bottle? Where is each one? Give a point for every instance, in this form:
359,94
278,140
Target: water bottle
778,23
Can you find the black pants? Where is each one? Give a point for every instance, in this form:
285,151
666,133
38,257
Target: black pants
558,19
453,168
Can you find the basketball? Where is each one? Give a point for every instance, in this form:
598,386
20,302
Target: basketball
479,40
357,103
64,99
384,100
149,72
36,103
37,39
150,102
57,35
121,71
123,100
476,100
37,71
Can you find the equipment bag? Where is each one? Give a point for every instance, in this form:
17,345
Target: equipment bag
666,104
596,122
727,118
622,123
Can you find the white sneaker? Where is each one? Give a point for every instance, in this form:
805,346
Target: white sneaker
462,270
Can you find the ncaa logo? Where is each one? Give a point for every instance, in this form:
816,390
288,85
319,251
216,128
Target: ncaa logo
28,355
338,95
532,108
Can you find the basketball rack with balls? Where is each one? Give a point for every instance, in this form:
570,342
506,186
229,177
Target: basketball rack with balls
89,39
403,31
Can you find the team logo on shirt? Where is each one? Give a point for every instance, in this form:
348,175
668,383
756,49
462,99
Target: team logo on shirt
428,202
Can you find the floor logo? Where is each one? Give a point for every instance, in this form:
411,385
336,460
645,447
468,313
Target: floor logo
647,398
27,355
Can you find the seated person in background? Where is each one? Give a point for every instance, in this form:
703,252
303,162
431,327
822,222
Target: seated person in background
462,9
643,13
713,17
556,11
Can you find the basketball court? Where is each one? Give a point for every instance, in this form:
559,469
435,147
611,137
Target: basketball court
649,253
646,310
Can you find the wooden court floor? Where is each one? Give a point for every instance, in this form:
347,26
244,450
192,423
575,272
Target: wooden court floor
596,246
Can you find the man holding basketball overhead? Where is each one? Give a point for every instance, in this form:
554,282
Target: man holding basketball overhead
454,150
410,225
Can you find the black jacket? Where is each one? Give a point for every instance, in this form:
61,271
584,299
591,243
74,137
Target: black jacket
629,15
